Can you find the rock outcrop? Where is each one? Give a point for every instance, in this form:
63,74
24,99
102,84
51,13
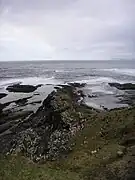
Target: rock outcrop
77,85
46,133
22,88
126,86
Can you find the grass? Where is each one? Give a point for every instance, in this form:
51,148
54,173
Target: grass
102,134
19,168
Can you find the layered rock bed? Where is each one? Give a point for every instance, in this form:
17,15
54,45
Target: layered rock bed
129,92
44,134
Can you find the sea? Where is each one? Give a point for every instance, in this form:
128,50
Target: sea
96,74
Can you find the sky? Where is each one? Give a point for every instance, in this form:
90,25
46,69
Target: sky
67,29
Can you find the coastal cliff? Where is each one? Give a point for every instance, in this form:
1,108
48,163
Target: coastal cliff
66,139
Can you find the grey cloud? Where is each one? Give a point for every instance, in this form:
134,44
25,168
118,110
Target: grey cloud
73,29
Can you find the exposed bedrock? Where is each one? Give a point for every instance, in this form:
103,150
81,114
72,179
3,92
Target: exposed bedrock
22,88
126,86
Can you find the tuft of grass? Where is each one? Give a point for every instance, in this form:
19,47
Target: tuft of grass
19,168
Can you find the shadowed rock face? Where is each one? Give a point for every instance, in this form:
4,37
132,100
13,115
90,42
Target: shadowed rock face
2,95
126,86
22,88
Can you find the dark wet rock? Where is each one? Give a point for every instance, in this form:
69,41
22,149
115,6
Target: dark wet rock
6,126
19,115
36,94
77,85
126,86
127,98
23,101
92,96
57,87
60,86
22,88
2,106
19,102
104,108
81,94
129,95
49,84
2,95
39,85
9,116
2,121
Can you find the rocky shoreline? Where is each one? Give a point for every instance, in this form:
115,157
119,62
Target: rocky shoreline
129,93
94,143
46,133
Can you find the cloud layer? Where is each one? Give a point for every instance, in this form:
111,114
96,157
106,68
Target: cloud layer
61,29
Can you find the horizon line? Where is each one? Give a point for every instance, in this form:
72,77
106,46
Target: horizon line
66,60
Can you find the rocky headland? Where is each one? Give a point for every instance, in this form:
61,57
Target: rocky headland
66,137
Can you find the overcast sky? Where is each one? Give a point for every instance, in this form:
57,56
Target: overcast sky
67,29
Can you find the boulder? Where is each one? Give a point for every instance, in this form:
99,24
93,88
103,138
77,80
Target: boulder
2,95
22,88
120,153
81,94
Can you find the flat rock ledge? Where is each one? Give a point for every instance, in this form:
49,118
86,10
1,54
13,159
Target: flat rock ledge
126,86
22,88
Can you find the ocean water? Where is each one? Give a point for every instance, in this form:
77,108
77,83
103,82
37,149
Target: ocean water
97,75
